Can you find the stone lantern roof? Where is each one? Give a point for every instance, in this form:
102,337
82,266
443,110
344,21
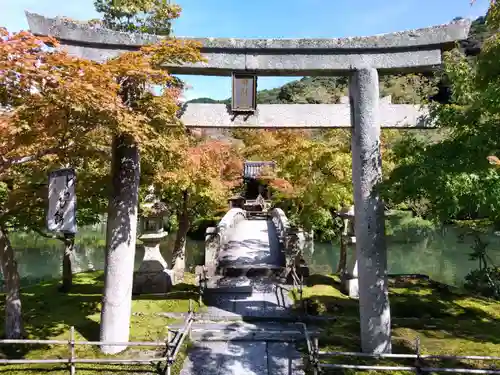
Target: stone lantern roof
154,210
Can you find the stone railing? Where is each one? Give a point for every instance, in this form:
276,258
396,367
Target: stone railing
281,223
216,237
291,239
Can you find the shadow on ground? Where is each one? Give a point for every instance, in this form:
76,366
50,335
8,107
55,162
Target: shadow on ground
243,356
445,320
48,314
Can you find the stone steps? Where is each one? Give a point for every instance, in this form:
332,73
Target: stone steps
243,284
255,304
244,348
249,270
247,297
246,331
243,358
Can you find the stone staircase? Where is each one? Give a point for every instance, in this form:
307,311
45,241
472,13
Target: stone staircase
243,348
246,331
243,358
247,328
260,342
247,297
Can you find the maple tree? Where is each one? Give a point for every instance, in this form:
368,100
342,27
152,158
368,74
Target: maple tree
199,183
312,180
313,171
58,107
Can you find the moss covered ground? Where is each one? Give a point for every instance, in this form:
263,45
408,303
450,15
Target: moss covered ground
49,314
445,320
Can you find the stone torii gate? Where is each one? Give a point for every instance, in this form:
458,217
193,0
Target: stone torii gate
360,58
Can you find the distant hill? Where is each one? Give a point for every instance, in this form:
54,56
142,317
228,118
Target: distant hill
204,100
328,90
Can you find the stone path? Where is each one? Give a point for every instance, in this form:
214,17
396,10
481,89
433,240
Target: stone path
251,243
243,358
225,347
250,297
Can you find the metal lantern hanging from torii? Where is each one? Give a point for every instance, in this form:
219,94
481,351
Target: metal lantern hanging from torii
244,97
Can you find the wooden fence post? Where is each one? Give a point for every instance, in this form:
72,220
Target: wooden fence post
303,305
418,362
72,369
315,355
169,338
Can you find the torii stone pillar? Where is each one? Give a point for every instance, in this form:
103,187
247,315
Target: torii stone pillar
375,317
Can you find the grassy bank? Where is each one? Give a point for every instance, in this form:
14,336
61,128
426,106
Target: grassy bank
49,314
445,320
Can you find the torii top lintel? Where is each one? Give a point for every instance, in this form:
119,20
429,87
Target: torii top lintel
407,51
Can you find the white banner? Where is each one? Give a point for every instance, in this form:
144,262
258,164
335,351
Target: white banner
61,214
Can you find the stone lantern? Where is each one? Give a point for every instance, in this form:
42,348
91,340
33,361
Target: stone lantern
153,276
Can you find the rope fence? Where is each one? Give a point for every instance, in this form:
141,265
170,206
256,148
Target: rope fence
317,366
172,348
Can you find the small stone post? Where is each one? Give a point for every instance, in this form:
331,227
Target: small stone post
375,319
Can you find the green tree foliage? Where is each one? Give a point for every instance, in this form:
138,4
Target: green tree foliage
144,16
453,178
404,89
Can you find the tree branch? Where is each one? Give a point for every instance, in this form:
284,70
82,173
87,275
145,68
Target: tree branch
8,162
46,235
25,159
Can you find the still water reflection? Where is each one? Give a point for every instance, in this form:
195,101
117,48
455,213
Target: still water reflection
443,255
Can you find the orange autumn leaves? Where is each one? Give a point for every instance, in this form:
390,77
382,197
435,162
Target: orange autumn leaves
52,102
302,156
207,168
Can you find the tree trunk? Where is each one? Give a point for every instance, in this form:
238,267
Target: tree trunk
67,269
342,266
179,253
120,243
13,317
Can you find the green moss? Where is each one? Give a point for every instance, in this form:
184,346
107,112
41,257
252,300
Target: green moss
445,320
49,314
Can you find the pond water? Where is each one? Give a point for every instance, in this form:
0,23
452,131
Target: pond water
441,254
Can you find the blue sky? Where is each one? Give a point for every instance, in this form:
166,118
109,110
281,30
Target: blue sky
269,18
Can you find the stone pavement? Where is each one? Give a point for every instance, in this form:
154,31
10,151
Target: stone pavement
252,243
222,346
243,358
248,297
